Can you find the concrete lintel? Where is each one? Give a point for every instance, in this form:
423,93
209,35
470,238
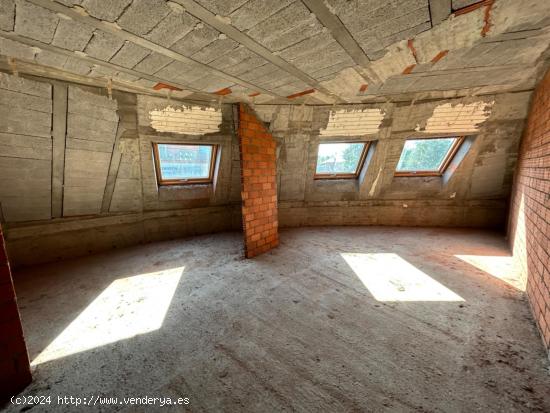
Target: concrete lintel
55,49
338,31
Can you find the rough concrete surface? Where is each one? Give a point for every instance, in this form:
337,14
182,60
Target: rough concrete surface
293,330
388,46
108,170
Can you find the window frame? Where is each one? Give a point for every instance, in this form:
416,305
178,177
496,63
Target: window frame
444,164
192,181
360,163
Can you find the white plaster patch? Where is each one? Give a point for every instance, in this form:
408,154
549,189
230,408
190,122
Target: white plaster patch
457,118
375,183
398,56
451,34
188,120
346,83
345,122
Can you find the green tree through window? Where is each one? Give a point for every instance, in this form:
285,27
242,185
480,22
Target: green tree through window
339,158
425,155
351,156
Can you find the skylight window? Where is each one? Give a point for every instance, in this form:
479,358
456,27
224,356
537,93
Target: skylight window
339,160
427,157
178,164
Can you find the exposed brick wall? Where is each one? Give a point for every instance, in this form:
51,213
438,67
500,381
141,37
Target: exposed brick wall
259,185
15,371
529,222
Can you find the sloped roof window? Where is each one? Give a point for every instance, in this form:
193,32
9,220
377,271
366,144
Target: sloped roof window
340,160
427,156
180,164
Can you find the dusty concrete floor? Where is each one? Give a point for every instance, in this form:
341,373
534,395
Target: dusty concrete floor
294,330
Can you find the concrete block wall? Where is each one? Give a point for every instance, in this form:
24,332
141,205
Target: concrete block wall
475,195
15,371
87,189
92,124
259,186
79,177
25,139
529,221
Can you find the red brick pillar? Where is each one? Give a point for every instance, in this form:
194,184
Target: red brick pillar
15,370
259,185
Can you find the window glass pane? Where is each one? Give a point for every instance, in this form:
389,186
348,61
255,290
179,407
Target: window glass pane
338,158
424,154
184,161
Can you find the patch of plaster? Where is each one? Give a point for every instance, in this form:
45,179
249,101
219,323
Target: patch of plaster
375,183
356,122
188,120
457,118
346,84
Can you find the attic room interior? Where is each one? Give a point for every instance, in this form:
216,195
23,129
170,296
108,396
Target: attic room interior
268,206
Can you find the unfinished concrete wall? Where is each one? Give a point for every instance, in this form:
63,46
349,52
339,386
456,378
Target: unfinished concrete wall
529,222
86,182
259,185
15,371
26,148
92,125
78,170
474,195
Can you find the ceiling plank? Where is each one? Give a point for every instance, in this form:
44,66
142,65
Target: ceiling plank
122,34
210,18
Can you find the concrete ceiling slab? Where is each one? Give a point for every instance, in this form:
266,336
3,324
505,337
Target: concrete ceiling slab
282,48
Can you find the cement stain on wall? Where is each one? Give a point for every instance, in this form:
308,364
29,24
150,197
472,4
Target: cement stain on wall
459,118
345,122
188,120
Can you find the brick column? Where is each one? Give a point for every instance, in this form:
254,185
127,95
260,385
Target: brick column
259,186
15,370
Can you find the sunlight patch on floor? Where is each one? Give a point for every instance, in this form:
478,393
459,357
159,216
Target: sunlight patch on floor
388,277
126,308
501,267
